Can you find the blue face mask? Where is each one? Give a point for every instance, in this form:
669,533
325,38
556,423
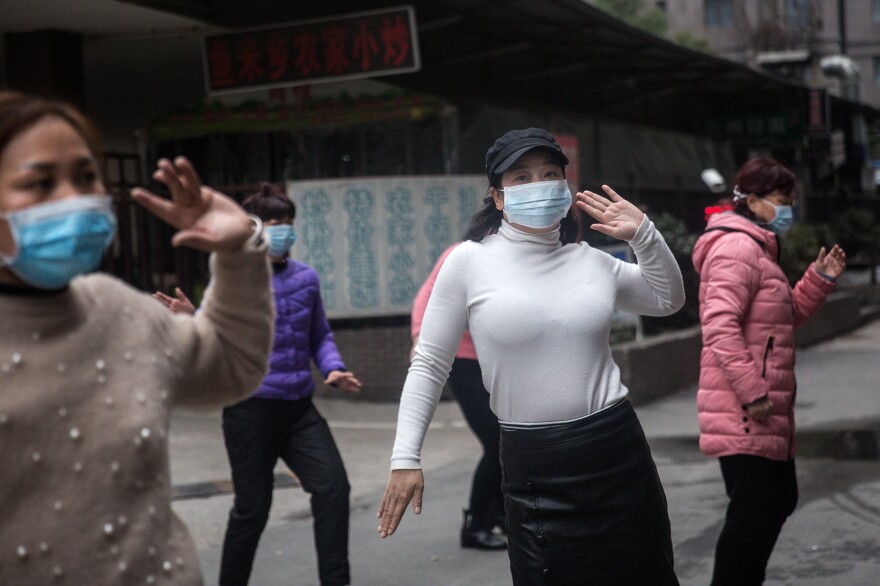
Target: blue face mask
56,241
781,222
281,238
537,205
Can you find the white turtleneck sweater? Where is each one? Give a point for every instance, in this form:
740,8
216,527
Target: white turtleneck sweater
540,316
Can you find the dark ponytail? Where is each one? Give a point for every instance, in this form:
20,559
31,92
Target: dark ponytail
571,228
484,222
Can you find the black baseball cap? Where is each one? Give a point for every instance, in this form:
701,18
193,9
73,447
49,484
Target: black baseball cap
514,144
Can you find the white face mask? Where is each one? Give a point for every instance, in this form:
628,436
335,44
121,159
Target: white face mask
537,205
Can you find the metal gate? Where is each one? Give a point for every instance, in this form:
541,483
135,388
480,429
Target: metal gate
142,254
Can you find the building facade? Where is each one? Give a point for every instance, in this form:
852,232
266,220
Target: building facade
788,37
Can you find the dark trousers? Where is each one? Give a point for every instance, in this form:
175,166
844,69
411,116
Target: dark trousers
466,381
257,433
763,493
584,504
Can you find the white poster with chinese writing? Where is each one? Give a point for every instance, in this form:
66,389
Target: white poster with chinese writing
374,240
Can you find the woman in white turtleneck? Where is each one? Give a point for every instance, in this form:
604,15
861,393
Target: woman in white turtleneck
582,497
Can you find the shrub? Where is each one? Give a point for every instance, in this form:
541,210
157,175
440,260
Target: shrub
800,245
676,234
858,233
681,243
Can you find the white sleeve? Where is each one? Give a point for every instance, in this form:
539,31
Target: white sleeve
653,286
442,327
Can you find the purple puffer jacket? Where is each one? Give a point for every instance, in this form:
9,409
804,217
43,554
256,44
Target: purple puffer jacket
301,334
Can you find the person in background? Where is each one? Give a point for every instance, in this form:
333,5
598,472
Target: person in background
746,392
483,520
582,497
280,420
91,368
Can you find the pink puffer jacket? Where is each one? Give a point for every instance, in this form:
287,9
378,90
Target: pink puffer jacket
748,312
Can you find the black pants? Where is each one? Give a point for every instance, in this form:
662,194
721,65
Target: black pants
466,381
257,433
585,505
763,493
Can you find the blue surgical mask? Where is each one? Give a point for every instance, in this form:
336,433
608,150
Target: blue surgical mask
56,241
537,205
781,222
281,238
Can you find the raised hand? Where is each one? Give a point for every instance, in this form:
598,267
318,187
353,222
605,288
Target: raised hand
344,380
207,220
832,264
403,486
180,303
614,215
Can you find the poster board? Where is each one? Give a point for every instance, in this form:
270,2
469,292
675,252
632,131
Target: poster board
373,241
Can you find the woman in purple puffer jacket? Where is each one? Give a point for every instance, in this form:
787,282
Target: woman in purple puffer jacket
279,420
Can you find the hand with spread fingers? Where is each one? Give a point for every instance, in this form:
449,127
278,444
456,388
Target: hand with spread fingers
615,216
833,263
344,380
403,486
207,220
180,303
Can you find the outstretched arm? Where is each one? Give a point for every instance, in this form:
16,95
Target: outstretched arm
444,323
654,286
225,347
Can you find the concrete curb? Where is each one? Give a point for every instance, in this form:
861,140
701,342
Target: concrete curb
663,364
660,365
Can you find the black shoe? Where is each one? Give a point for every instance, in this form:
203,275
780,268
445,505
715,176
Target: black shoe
479,538
497,526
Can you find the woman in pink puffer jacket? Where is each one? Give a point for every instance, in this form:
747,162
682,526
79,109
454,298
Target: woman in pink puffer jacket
747,386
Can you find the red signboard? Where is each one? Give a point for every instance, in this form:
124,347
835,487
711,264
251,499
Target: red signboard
818,109
366,44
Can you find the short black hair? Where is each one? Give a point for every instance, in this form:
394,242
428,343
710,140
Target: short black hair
270,203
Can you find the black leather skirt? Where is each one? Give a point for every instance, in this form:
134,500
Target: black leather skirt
584,504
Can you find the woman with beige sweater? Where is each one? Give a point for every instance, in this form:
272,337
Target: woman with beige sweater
90,368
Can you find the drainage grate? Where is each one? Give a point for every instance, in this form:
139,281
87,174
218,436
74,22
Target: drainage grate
199,490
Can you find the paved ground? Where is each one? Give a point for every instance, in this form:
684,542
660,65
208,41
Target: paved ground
833,537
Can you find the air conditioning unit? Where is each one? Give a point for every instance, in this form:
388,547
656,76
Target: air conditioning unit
778,58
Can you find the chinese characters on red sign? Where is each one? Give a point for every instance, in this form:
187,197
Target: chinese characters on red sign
349,46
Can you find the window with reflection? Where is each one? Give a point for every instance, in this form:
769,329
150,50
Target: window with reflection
718,13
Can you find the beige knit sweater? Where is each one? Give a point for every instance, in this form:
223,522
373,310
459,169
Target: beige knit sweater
87,381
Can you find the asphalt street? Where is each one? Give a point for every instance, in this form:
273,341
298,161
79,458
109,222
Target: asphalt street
832,538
